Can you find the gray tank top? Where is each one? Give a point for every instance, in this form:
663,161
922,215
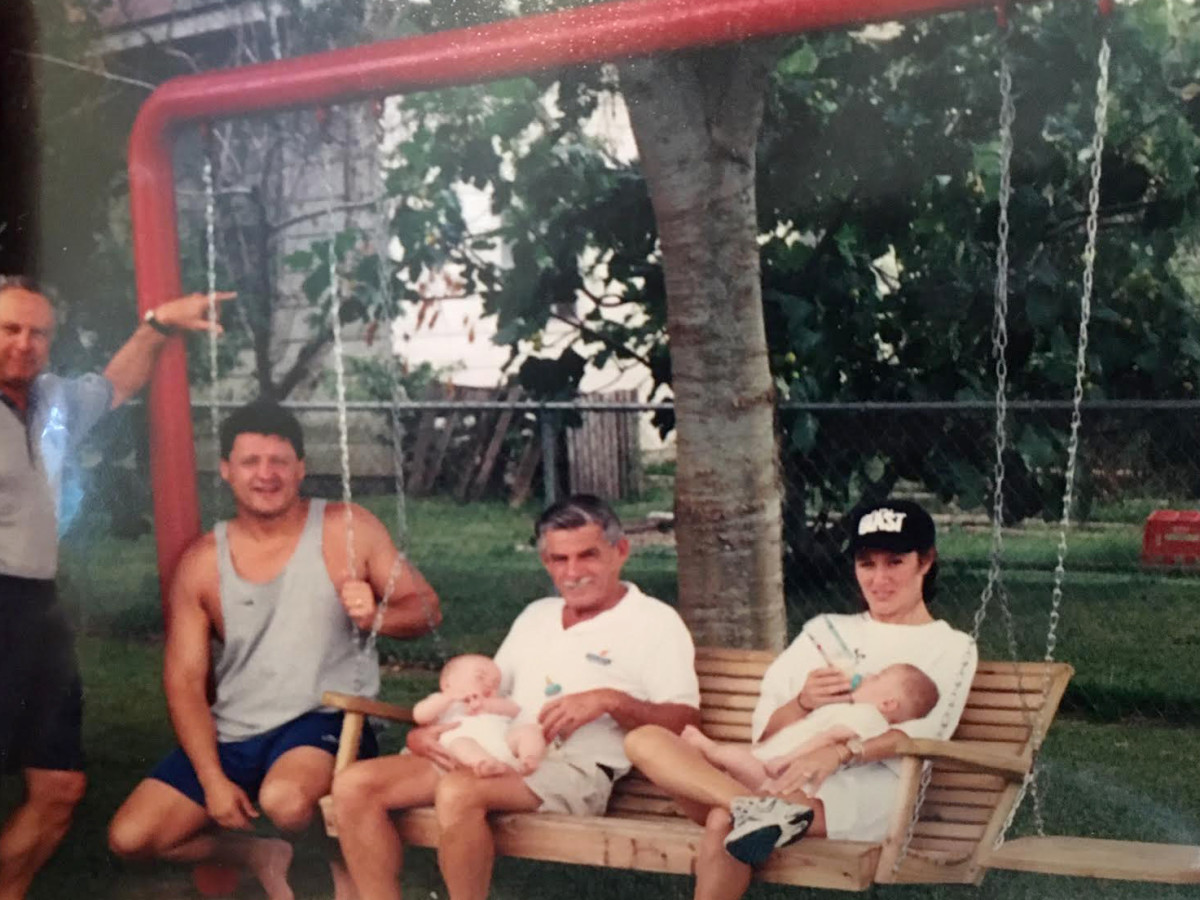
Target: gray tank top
286,640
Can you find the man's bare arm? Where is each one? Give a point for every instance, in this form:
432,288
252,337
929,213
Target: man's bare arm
562,716
131,366
186,665
413,607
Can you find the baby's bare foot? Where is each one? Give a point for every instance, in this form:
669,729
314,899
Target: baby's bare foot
490,768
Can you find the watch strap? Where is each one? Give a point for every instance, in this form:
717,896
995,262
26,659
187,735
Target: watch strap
151,319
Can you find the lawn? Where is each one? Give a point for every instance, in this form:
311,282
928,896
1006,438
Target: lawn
1119,762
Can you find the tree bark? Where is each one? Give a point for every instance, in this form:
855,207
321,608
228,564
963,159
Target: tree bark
696,118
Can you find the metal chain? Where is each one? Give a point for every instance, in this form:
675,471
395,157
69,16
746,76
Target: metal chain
210,248
398,396
994,584
339,370
1068,500
1000,342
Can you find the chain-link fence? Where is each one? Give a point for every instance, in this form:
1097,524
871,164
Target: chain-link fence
474,475
474,472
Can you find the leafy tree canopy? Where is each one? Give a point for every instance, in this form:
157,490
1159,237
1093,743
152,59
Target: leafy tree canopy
878,172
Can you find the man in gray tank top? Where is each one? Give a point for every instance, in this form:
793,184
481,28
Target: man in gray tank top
43,418
271,606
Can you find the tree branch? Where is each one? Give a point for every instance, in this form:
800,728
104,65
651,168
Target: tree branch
300,368
619,349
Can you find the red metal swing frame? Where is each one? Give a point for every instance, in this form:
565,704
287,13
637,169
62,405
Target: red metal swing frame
600,32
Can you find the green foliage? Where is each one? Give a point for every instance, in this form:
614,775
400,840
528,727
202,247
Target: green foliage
882,165
878,179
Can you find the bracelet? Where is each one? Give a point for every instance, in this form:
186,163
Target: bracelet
800,703
846,756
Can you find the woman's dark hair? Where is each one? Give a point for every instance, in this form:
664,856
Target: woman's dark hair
929,585
261,417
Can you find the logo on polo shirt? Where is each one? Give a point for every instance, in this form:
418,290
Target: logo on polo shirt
882,520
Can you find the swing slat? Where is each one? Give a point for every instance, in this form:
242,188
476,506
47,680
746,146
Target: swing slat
727,701
972,756
366,706
1097,858
739,717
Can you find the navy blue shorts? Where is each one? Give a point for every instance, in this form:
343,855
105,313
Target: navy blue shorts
247,762
41,700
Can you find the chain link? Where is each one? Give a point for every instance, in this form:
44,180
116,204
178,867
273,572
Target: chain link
1068,500
994,585
398,396
210,260
386,302
1008,115
339,370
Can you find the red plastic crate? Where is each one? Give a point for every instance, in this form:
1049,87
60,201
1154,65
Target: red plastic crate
1171,538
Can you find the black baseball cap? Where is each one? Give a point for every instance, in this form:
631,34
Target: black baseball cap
898,526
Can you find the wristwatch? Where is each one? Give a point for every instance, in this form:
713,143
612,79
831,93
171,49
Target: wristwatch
151,319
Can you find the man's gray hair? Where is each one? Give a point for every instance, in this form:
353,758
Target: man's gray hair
22,282
578,511
27,283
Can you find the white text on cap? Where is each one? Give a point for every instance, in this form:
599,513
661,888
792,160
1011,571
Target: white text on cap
882,520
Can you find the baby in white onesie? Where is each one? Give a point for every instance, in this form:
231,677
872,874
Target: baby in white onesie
898,693
486,738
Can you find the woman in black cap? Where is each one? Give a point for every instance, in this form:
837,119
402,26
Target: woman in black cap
848,790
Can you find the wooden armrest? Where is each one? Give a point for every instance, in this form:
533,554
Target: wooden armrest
366,706
1010,765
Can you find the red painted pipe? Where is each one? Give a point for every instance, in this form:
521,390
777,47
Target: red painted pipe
593,33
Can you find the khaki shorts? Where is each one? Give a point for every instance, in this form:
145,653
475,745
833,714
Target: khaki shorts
577,789
564,786
859,802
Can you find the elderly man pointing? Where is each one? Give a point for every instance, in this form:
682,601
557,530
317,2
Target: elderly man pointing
43,417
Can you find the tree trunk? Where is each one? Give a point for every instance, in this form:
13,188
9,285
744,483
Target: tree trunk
696,118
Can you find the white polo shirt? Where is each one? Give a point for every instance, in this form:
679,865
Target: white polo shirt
640,647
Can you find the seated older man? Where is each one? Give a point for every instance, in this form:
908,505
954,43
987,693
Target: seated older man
588,665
